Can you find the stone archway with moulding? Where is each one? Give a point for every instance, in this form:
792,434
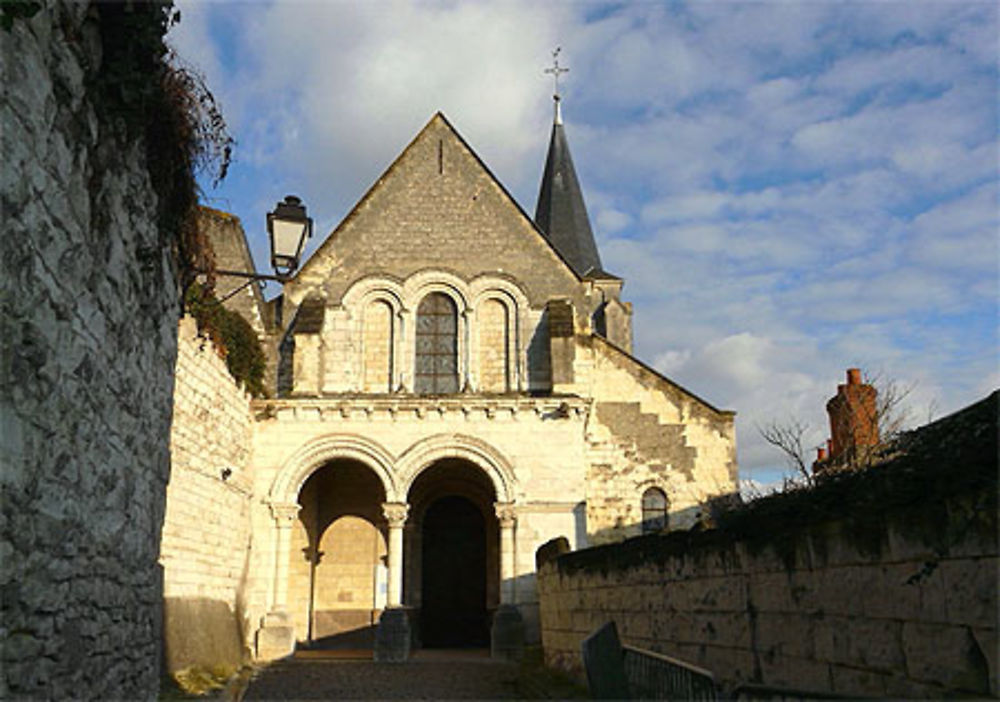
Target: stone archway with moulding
426,452
513,299
314,454
368,288
428,280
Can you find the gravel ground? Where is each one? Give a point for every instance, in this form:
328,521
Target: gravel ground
365,680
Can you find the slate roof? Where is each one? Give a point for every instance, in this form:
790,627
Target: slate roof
561,214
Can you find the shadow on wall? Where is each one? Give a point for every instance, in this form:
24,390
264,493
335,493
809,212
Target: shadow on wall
696,518
362,638
201,633
539,359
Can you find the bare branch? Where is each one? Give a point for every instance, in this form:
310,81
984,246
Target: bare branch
788,437
871,422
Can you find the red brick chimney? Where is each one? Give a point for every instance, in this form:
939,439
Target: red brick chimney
853,416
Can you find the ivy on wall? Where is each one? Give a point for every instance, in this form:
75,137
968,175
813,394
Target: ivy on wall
233,337
144,89
12,10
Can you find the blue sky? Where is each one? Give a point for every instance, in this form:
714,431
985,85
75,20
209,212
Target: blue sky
788,189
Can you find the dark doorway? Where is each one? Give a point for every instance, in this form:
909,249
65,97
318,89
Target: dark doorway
453,607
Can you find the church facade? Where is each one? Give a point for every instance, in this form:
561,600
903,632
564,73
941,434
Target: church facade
454,387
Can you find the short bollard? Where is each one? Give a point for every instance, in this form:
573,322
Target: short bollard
507,634
392,637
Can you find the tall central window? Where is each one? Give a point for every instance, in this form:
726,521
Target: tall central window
437,346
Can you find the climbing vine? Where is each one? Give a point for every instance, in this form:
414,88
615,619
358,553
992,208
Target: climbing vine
147,92
232,336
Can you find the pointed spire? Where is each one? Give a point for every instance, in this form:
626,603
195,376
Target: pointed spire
561,213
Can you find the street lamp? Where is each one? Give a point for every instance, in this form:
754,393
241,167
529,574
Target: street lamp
288,227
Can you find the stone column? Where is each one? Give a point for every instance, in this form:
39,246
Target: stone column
395,514
507,632
506,518
464,355
400,358
284,518
276,637
392,637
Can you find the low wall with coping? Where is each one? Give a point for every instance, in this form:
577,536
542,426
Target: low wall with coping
894,598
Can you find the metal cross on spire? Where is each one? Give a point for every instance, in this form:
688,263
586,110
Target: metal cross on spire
556,70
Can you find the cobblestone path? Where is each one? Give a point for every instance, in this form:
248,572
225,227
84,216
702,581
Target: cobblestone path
462,678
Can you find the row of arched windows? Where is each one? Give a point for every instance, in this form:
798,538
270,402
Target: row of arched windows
441,346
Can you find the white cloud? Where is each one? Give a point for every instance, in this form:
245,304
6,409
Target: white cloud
962,234
610,220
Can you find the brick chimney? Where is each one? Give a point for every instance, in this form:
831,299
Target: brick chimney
853,417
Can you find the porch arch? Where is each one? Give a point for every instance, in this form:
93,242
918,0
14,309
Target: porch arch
315,453
426,452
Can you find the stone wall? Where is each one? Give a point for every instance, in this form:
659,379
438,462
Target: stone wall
206,530
646,431
229,244
88,313
895,598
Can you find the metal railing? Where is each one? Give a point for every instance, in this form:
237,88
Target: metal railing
653,676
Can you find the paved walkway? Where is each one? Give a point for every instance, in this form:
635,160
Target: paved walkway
429,675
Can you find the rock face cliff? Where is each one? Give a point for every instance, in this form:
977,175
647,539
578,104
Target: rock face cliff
88,324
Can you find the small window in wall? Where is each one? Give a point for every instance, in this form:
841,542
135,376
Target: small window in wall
437,346
654,510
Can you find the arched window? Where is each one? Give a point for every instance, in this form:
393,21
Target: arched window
377,347
437,346
654,510
494,371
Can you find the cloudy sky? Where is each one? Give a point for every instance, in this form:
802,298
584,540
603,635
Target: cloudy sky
789,189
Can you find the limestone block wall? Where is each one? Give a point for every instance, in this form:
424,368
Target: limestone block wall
647,432
229,244
814,609
88,313
206,529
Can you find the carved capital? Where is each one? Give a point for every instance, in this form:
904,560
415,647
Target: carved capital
506,514
284,513
395,513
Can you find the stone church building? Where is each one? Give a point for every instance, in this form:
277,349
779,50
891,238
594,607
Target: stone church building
453,387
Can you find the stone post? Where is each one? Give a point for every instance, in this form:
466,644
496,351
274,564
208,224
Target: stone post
399,351
507,633
465,352
395,514
392,637
562,344
506,519
276,637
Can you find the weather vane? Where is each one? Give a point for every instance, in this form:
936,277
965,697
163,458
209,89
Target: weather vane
556,70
